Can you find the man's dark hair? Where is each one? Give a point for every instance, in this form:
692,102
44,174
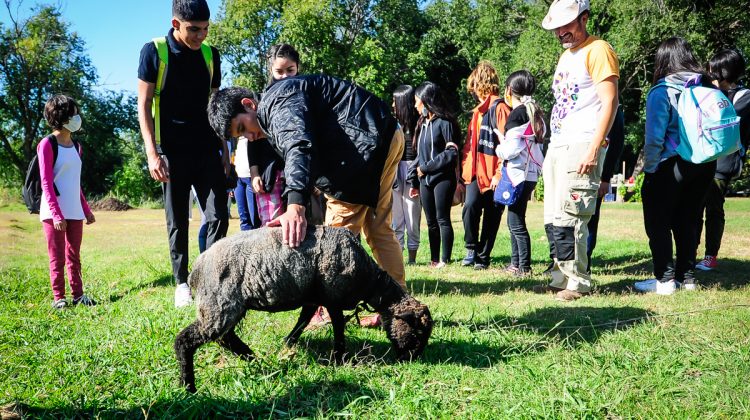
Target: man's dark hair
727,65
673,56
59,109
224,105
191,10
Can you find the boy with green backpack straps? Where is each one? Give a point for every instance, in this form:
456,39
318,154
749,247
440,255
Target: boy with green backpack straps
177,74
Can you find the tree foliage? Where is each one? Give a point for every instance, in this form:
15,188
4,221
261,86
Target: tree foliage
383,43
40,57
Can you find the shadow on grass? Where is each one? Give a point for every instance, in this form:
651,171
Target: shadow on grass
308,399
493,340
164,280
730,275
582,324
500,284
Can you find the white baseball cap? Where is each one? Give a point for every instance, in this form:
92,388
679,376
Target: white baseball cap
562,12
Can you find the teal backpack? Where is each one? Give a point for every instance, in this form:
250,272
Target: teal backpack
709,125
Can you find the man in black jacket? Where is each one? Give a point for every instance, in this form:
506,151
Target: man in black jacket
331,134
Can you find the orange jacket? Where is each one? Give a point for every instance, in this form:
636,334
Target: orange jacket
478,165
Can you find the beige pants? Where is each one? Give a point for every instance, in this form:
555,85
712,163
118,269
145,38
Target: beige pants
375,224
569,202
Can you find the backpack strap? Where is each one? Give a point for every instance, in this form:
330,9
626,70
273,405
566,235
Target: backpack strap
162,51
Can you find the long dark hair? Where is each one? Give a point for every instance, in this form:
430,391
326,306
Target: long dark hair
406,114
727,65
281,51
673,56
433,99
523,85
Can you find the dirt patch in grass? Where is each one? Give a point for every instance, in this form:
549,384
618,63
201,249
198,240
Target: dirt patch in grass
110,204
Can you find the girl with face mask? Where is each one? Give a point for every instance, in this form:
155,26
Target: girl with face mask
63,207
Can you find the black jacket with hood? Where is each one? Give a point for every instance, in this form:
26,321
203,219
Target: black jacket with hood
331,133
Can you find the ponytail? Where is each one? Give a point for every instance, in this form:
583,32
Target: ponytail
536,117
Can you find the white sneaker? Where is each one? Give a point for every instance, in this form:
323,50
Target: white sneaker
666,287
182,296
690,286
646,286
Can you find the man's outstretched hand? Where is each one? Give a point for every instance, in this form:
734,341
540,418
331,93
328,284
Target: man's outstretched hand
293,225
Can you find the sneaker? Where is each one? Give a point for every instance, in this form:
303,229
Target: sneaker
84,300
438,265
646,286
569,295
690,287
469,259
542,289
708,263
318,320
666,287
182,296
370,321
480,266
511,269
60,303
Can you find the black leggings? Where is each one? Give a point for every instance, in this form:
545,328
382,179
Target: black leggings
436,202
672,200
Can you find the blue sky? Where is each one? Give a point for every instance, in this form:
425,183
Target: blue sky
114,31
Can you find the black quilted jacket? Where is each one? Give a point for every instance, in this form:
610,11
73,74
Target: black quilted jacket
331,133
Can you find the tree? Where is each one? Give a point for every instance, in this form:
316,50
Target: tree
39,57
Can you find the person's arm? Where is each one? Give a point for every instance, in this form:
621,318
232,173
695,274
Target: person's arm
293,134
606,90
256,180
446,158
47,176
658,110
502,114
156,166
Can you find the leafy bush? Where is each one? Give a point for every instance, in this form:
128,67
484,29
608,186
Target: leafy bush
632,195
131,182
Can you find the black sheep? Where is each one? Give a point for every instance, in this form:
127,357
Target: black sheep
254,270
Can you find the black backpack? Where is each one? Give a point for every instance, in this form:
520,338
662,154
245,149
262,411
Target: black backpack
32,185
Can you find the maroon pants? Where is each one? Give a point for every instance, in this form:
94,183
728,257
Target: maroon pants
64,246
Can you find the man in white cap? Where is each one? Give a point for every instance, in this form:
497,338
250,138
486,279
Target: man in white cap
585,90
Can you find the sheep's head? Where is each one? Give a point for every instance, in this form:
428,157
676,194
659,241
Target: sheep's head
408,325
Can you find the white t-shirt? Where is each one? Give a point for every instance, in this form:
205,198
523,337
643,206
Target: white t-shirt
575,115
67,172
241,164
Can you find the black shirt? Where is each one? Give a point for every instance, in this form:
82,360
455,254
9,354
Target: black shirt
184,97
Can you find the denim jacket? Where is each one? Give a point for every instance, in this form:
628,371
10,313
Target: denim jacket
662,124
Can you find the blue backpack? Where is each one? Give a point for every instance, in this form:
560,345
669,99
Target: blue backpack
709,125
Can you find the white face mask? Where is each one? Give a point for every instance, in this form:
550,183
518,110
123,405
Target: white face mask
74,124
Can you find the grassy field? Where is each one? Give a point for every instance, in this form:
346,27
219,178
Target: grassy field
497,350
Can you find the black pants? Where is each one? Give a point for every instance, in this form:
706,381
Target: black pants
476,204
436,202
593,226
672,199
520,241
206,175
714,209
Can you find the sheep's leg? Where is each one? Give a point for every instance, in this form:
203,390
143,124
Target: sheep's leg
185,346
233,343
304,318
339,344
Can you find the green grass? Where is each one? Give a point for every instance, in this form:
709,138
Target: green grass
497,350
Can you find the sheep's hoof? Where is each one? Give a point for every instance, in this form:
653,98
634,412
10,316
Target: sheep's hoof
190,388
287,353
